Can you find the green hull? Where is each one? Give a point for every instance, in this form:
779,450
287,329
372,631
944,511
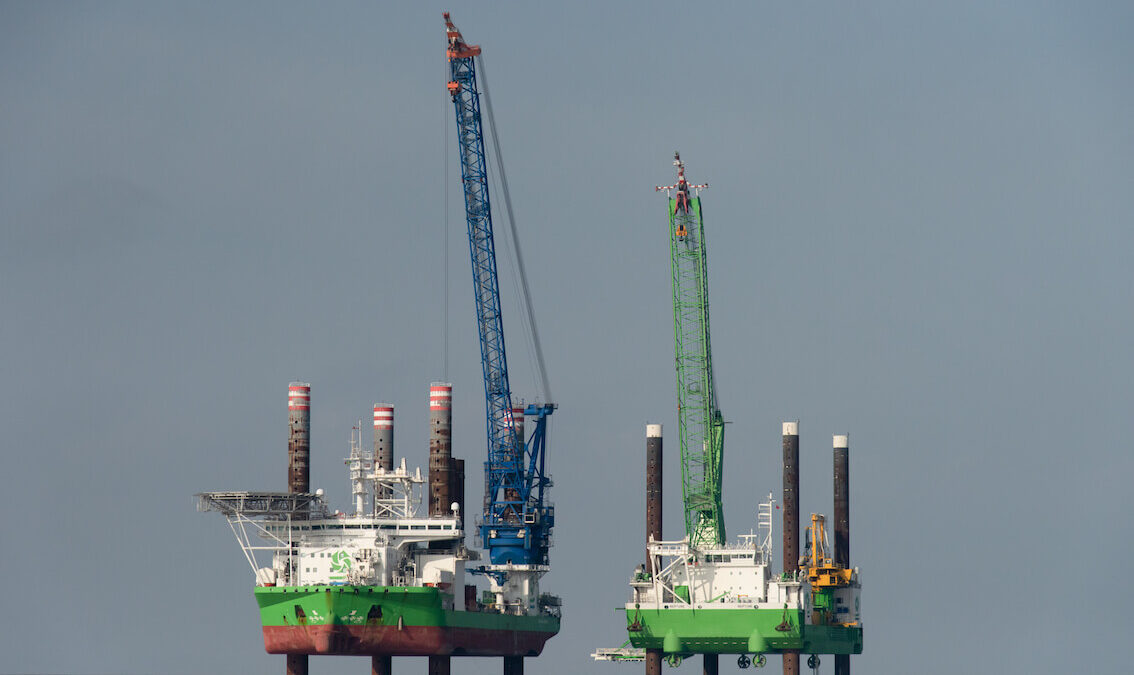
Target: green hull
737,631
393,620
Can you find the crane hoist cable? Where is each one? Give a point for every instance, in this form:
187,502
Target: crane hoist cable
527,313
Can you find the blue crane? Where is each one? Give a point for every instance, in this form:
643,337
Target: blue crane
517,522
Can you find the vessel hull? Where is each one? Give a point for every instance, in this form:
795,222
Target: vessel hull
392,621
737,631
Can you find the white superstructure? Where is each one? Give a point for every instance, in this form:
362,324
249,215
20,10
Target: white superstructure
734,576
388,546
294,540
731,576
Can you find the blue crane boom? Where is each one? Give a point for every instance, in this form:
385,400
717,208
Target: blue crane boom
517,521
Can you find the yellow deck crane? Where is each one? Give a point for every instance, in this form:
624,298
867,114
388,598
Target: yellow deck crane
823,575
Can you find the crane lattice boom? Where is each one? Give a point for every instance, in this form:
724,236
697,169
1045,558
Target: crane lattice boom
517,521
700,425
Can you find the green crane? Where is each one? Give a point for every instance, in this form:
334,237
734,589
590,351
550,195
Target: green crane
699,421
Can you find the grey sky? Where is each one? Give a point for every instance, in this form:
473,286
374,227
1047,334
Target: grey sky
919,232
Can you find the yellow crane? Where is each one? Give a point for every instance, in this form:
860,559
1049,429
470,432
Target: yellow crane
823,574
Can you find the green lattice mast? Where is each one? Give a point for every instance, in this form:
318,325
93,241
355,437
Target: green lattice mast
699,421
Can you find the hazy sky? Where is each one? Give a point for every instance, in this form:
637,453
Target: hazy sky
919,232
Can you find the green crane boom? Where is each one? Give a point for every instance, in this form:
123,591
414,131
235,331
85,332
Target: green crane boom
699,421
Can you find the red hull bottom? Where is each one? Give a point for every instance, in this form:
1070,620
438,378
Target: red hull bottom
407,641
